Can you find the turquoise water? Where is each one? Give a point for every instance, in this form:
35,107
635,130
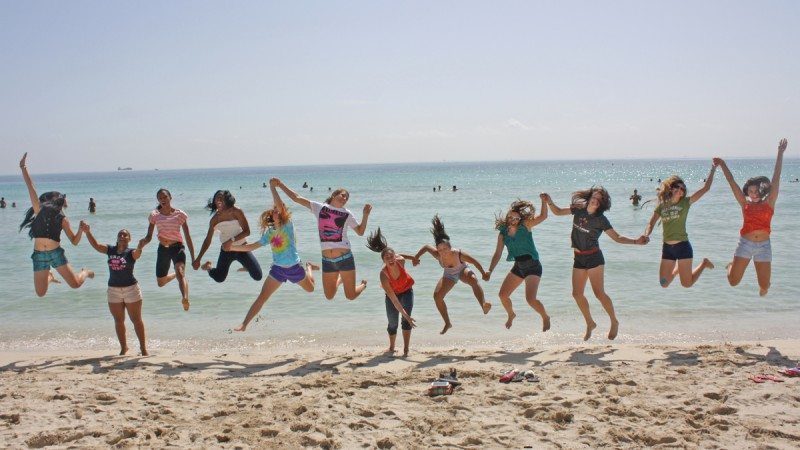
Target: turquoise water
403,204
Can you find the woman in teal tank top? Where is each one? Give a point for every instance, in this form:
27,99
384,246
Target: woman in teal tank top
515,234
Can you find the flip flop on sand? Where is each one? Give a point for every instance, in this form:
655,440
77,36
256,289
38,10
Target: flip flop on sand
791,372
766,376
530,376
756,379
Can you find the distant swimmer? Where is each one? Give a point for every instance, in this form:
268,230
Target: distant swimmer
13,204
305,184
264,184
92,205
454,188
3,201
311,189
440,188
635,198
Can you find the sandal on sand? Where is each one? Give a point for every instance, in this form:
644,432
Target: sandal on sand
508,376
530,376
756,379
452,379
792,372
765,376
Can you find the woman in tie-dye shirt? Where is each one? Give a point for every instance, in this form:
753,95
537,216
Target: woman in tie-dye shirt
278,233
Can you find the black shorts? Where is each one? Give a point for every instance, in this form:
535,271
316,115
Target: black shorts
674,252
174,253
589,261
525,266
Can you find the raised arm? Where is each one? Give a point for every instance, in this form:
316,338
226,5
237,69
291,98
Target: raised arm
101,248
737,192
29,183
470,260
387,287
73,237
362,227
555,209
641,240
542,213
273,185
702,191
427,249
302,201
776,175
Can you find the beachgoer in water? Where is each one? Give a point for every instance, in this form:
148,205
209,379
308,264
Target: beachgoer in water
454,188
46,220
229,220
123,288
3,201
170,221
515,229
13,204
277,232
397,285
454,262
333,219
588,223
672,210
757,199
635,198
92,205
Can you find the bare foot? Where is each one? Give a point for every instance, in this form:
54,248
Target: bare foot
612,333
52,278
545,323
486,307
185,303
405,353
312,266
763,292
206,265
123,351
510,320
707,263
589,328
144,352
389,351
447,326
241,327
89,273
364,283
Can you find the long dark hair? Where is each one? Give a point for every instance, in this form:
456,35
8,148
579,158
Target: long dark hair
581,199
227,197
377,243
50,203
439,235
763,183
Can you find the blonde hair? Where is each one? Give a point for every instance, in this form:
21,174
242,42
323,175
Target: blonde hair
265,220
665,189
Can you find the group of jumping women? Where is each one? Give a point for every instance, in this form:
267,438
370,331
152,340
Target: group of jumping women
46,221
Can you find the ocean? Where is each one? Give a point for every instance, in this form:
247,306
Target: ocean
404,201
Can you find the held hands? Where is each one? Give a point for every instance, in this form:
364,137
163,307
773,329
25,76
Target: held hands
642,240
83,226
781,145
718,162
487,275
274,182
545,197
414,261
142,242
196,264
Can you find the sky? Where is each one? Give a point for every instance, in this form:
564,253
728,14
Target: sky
93,85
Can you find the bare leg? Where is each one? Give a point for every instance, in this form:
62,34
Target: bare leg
330,284
442,288
469,278
135,313
162,281
41,281
510,284
351,291
579,278
667,272
736,270
392,339
406,341
763,273
183,284
267,289
688,276
118,312
596,278
74,281
531,289
307,283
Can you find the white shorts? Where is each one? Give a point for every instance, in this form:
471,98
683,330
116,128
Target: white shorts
127,294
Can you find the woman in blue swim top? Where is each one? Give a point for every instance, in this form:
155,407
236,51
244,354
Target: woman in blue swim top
277,232
46,220
454,265
515,233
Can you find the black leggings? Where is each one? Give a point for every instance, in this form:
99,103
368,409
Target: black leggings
247,259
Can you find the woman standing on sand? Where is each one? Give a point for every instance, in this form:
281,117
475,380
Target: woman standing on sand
230,221
333,219
588,223
397,284
515,234
673,209
757,199
277,232
454,262
46,220
170,221
123,289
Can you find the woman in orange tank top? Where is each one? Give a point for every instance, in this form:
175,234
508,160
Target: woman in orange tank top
397,283
757,198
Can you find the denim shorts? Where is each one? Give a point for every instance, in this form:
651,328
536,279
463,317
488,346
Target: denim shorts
407,300
44,260
344,263
295,273
674,252
525,266
758,251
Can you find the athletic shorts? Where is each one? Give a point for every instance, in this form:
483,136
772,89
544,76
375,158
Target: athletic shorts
525,266
174,253
44,260
127,294
589,261
674,252
757,251
344,263
294,274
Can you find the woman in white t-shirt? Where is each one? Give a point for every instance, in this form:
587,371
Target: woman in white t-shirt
338,265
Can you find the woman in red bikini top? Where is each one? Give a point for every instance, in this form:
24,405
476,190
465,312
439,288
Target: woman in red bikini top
396,283
757,199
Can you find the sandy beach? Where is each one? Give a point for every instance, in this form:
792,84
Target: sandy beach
586,397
